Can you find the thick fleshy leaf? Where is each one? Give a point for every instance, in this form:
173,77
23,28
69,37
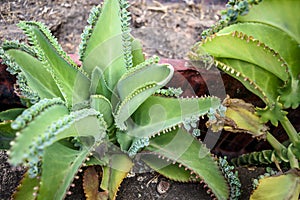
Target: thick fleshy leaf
26,189
35,73
258,158
137,52
33,122
86,125
275,38
81,123
268,12
102,105
180,146
125,140
114,173
72,81
285,187
290,95
133,79
278,40
249,50
257,80
136,86
11,114
257,47
160,114
55,183
167,168
268,38
107,43
7,134
239,117
98,84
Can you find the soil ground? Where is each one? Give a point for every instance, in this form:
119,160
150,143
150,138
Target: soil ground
167,28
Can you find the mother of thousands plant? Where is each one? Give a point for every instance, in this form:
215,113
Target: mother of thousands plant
259,45
102,113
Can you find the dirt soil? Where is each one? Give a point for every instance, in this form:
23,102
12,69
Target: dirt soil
167,28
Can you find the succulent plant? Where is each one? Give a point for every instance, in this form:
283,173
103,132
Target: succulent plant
251,50
102,113
258,43
269,187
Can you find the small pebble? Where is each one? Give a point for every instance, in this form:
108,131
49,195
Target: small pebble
163,187
140,178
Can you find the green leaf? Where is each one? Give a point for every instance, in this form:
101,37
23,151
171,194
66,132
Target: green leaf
7,134
27,189
249,50
290,95
10,114
258,158
86,34
35,73
285,187
275,38
98,84
55,183
125,140
114,173
161,114
272,113
180,146
167,168
102,105
36,125
135,88
137,52
74,86
280,14
285,46
259,81
106,41
134,79
266,37
81,123
86,125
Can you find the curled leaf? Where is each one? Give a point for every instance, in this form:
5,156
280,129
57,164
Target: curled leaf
285,186
240,117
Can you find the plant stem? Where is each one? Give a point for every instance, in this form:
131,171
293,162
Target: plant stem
275,143
280,149
294,163
290,130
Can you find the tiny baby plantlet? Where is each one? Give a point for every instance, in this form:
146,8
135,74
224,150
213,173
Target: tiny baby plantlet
258,43
103,113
